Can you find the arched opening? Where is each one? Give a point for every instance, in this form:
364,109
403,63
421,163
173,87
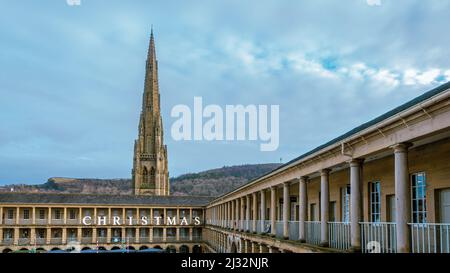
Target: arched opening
184,249
40,249
143,247
171,249
197,249
101,248
85,248
130,248
144,183
158,247
115,248
7,250
55,248
233,248
24,249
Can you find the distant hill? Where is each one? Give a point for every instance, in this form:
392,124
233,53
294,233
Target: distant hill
207,183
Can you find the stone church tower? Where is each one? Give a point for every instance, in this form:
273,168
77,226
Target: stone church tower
150,175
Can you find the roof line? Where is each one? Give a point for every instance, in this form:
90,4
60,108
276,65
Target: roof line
431,93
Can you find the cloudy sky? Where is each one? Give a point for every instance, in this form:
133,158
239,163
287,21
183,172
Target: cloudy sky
71,77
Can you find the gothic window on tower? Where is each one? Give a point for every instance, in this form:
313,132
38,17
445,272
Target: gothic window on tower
151,182
144,178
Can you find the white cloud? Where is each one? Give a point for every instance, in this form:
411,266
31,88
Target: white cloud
373,2
447,76
301,64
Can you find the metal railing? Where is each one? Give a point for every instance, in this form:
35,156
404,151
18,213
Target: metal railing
279,229
56,241
86,240
23,241
157,239
312,232
259,227
294,230
41,221
339,235
430,238
102,239
378,237
41,241
7,241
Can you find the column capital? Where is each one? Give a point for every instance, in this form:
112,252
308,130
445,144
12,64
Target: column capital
274,188
354,162
286,183
401,147
325,171
254,194
263,191
304,178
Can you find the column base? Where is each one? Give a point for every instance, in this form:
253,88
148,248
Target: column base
324,244
355,249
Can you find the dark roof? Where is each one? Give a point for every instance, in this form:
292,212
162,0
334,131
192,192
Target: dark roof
82,199
363,126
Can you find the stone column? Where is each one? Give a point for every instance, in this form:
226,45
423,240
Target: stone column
229,215
65,216
108,235
48,236
254,247
242,214
303,207
233,216
49,220
247,213
273,210
64,235
255,211
356,208
402,197
286,206
325,206
33,219
33,236
236,226
17,215
263,209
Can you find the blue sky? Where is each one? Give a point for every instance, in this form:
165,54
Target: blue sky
71,77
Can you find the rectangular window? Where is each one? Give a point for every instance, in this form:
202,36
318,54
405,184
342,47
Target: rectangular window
375,201
332,210
419,198
41,214
312,212
26,214
10,214
72,214
345,204
57,214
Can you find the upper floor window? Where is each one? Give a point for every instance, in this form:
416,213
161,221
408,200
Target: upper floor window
26,214
72,214
375,201
41,214
57,214
419,198
10,214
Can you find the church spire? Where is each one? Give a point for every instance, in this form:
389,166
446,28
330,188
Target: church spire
151,90
150,173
